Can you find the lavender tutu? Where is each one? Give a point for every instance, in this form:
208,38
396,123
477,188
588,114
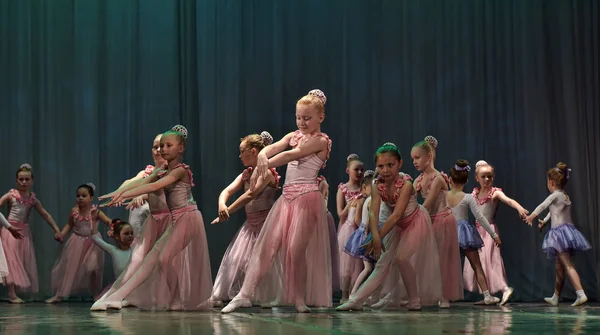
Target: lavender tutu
468,236
355,240
564,238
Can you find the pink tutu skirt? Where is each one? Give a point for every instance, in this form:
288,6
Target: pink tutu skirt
235,261
411,242
182,278
20,259
446,236
294,246
79,268
350,266
492,263
335,253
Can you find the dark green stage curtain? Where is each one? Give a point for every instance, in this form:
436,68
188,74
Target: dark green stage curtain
86,85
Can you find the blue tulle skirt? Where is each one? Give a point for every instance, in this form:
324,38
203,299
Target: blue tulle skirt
468,236
564,238
356,239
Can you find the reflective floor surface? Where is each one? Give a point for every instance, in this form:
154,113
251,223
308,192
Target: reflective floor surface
463,318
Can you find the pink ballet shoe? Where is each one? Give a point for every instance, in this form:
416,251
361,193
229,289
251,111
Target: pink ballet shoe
99,306
16,300
349,305
414,306
217,303
235,304
117,305
53,300
303,309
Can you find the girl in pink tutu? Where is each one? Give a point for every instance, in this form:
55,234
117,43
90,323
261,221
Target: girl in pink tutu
80,267
433,186
333,242
357,238
350,267
563,239
257,202
140,208
175,275
488,197
469,239
154,225
19,252
296,228
405,246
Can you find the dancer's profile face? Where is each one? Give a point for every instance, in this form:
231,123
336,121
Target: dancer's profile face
308,118
156,150
248,155
421,159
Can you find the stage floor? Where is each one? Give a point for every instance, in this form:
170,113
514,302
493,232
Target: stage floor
462,318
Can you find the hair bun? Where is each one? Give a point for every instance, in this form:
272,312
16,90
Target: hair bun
266,137
462,163
319,94
389,144
368,174
25,166
91,185
181,129
481,163
432,141
352,157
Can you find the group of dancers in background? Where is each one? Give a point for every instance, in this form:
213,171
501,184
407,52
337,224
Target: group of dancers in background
388,250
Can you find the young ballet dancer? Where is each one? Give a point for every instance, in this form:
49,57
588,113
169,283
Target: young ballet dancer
151,230
333,242
296,228
350,267
563,239
405,243
80,265
488,197
19,252
257,203
180,256
16,234
120,253
357,238
469,239
433,186
140,210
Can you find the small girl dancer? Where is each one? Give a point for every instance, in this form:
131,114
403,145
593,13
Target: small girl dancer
180,256
469,239
333,242
405,243
296,227
433,186
350,267
357,238
20,254
257,202
81,263
16,234
563,239
121,253
140,209
487,198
